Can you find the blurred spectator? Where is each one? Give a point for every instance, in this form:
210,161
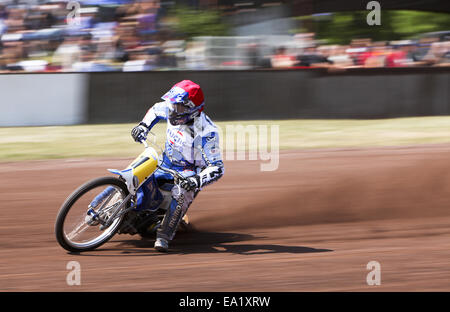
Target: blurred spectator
139,61
313,57
339,57
90,63
400,56
438,54
282,59
68,53
375,55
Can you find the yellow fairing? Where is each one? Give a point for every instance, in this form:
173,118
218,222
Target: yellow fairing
145,164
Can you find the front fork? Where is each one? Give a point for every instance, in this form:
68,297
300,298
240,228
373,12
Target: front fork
93,218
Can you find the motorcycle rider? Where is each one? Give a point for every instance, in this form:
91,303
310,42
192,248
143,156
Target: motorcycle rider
191,148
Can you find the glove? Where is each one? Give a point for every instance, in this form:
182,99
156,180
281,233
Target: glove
191,183
139,133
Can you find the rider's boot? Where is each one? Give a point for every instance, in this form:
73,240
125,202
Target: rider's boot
161,244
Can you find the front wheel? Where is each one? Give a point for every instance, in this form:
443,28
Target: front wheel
80,225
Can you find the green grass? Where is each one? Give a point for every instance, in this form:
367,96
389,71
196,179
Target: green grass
25,143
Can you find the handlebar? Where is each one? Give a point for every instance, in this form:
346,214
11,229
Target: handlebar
174,173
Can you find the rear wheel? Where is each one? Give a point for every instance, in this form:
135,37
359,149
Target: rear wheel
79,227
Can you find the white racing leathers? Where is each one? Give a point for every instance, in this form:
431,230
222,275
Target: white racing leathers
191,149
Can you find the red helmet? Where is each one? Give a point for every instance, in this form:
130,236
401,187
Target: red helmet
187,101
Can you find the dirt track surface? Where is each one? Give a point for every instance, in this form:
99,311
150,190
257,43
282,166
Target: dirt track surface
311,225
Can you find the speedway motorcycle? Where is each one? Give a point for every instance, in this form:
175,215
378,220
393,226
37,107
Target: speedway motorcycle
105,206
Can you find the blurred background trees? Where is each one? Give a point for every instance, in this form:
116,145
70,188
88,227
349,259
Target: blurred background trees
339,28
192,22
